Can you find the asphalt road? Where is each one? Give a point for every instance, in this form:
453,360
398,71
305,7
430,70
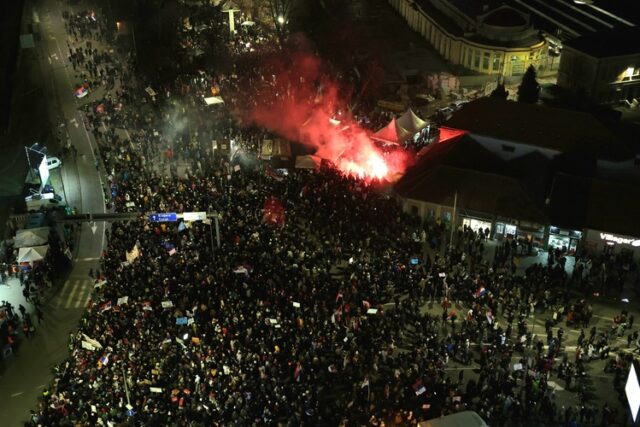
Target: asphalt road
30,370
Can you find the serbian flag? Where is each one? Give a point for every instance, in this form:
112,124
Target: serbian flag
81,92
106,306
103,360
481,292
297,372
339,296
273,212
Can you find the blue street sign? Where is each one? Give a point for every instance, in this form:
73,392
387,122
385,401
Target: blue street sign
163,217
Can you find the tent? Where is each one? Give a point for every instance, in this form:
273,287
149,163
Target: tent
308,162
212,100
411,122
391,133
32,254
31,237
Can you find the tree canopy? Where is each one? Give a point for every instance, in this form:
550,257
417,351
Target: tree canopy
529,89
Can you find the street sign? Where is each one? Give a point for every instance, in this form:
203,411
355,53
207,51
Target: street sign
194,216
632,390
163,217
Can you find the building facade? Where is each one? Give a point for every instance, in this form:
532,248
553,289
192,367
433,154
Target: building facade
603,66
497,40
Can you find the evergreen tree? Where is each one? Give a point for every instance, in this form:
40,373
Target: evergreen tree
500,92
529,89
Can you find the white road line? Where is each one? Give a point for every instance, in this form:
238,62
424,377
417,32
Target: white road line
65,286
569,17
77,286
17,394
590,16
548,18
611,15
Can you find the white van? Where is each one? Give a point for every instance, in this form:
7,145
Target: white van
459,419
43,201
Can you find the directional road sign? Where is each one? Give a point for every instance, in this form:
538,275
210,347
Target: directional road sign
163,217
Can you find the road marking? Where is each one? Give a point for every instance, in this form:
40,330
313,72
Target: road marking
87,259
76,287
17,394
41,386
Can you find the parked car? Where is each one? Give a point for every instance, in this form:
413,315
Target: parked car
456,105
44,201
53,162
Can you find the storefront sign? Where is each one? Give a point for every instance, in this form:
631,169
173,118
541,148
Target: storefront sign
619,240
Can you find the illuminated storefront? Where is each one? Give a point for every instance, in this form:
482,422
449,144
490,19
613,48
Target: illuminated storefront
477,225
564,239
602,241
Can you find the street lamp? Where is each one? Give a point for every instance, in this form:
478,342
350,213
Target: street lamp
281,20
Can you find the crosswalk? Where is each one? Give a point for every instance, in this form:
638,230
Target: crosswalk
75,294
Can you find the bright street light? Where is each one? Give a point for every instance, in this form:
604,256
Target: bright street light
280,19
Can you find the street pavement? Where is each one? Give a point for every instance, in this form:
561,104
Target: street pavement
29,371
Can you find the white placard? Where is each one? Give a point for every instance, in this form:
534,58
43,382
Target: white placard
123,300
372,311
167,304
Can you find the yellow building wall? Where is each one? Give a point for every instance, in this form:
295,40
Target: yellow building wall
459,50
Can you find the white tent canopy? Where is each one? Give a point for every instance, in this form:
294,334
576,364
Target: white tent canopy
31,237
308,162
391,133
410,122
212,100
32,254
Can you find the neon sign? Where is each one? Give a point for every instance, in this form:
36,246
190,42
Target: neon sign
619,240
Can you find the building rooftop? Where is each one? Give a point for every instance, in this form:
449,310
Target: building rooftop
580,202
505,17
552,128
603,44
477,191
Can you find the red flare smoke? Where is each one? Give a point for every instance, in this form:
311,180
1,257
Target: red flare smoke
308,109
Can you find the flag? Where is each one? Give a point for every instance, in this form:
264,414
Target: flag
103,360
481,292
181,226
339,296
366,304
297,372
273,212
105,307
365,383
81,92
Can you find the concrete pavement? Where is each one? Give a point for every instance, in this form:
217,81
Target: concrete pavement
29,371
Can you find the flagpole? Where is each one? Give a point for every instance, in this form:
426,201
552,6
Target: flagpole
453,219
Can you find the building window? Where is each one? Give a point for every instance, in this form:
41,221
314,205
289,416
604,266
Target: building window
446,216
414,210
485,61
476,60
496,62
469,55
508,148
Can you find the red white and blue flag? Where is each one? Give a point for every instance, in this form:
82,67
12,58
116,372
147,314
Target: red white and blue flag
481,292
81,92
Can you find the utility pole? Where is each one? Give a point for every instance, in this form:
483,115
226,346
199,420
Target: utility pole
453,219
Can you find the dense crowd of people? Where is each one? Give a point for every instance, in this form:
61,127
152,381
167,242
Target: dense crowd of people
316,308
